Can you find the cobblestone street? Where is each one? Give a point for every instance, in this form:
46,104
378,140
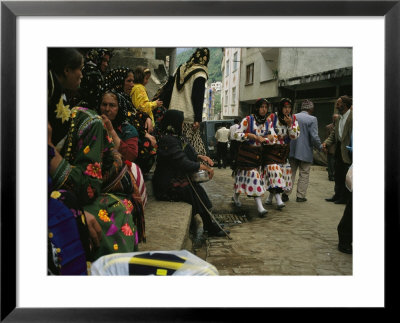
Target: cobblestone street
300,239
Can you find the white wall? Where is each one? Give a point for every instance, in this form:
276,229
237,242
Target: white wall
264,84
305,61
230,81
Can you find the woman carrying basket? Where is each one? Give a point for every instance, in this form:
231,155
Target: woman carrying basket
254,131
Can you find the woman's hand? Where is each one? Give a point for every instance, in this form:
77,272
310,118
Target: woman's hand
94,229
256,138
159,103
148,125
270,138
107,123
206,159
209,170
195,125
152,139
288,120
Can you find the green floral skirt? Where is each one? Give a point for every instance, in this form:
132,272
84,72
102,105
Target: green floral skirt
114,214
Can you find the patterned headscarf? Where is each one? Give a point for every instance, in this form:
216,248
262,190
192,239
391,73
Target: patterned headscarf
196,63
256,112
96,55
115,79
200,57
123,108
172,123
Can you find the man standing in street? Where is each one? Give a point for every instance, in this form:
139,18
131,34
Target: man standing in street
222,136
341,137
331,150
301,150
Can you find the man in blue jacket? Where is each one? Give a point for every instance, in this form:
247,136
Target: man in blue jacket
301,150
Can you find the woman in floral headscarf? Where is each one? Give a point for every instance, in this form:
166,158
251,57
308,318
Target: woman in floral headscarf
81,159
188,95
254,131
277,170
121,81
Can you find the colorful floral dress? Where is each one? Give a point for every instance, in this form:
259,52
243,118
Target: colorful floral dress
88,159
279,176
251,181
146,152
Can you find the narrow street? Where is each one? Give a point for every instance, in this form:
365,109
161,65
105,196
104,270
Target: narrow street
300,239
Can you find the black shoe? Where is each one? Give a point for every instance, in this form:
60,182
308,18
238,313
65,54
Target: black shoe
219,233
331,178
345,248
285,198
301,199
262,214
215,231
332,199
340,202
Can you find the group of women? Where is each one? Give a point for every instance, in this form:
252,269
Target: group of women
103,134
262,161
96,158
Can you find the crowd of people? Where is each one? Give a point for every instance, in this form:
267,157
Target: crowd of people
105,135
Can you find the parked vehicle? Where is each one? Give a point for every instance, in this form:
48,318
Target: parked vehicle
208,129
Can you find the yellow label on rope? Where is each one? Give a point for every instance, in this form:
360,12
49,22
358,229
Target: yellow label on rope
161,272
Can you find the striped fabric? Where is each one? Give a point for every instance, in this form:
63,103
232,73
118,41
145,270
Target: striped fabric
137,173
249,157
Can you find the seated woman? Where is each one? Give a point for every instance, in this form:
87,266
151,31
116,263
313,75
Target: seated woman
121,81
176,159
82,159
113,111
68,239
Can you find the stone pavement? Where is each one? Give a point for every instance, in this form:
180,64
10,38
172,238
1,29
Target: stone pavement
300,239
167,223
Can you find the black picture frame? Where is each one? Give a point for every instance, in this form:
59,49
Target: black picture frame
10,10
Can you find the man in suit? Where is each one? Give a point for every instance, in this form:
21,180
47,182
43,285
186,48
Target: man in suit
341,137
301,150
331,150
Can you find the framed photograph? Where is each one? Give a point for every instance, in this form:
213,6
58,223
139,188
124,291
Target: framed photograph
28,28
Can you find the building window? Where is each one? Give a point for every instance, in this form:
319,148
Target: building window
226,97
250,74
233,96
235,61
227,68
